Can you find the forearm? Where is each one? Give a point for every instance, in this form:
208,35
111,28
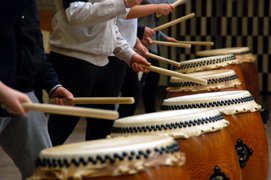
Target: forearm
142,10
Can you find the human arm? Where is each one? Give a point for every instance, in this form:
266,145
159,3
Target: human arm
13,100
140,48
87,13
124,52
145,10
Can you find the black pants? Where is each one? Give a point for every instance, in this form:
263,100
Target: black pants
119,70
149,90
83,79
127,84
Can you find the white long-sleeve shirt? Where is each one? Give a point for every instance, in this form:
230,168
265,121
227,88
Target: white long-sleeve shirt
88,31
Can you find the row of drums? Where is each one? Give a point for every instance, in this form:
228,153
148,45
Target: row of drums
199,134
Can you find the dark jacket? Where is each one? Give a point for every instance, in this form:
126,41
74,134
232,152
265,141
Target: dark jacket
23,62
32,64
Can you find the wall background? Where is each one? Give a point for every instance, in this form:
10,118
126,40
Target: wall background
228,23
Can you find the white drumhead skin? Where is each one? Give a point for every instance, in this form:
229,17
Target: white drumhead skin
227,102
105,147
207,75
178,124
216,80
223,51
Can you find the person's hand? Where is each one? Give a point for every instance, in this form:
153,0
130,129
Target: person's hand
147,42
164,9
131,3
61,93
171,39
140,48
138,62
12,100
148,32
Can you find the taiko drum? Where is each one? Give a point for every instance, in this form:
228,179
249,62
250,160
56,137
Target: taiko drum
217,80
247,65
201,134
246,127
129,158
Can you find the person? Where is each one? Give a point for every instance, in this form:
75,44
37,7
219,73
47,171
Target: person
150,81
131,85
84,35
23,135
128,26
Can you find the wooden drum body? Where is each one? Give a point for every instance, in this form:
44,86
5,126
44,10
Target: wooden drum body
247,64
217,80
246,128
132,158
201,134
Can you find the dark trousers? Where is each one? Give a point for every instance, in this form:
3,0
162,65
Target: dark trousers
119,70
149,90
130,88
83,79
127,84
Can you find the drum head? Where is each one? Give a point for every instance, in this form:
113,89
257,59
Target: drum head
228,102
223,51
178,124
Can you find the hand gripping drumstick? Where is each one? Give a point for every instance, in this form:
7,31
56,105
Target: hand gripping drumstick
162,59
98,100
198,43
173,44
72,111
175,4
171,23
176,74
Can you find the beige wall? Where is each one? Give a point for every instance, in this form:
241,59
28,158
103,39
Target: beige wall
46,4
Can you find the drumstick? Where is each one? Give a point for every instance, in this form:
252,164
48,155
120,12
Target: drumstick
198,43
162,59
176,74
174,5
72,111
173,44
178,2
171,23
98,100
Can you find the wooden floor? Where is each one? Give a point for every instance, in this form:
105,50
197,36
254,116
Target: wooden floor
9,172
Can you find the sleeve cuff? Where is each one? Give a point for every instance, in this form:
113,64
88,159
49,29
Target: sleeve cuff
127,55
53,89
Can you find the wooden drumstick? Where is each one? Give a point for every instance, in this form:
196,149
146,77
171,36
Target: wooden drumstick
198,43
178,2
72,111
174,5
173,44
162,59
171,23
176,74
98,100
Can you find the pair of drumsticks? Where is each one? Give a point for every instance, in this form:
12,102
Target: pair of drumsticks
112,115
